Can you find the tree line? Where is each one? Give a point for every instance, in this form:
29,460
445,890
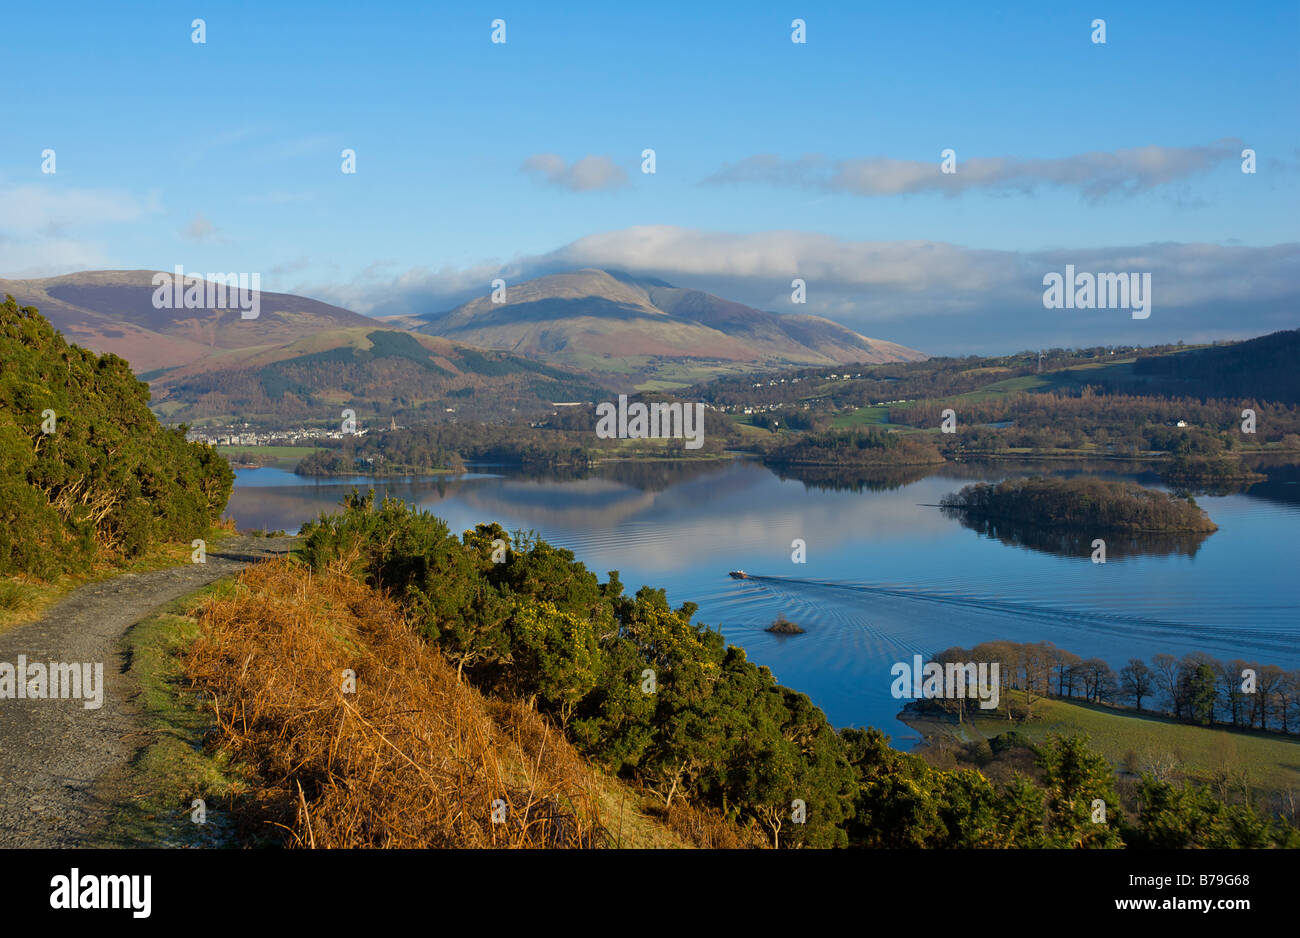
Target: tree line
1196,688
568,440
1120,423
869,447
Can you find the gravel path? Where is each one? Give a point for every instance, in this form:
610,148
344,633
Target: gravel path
53,752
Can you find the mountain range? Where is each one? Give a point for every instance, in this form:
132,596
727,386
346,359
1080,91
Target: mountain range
561,337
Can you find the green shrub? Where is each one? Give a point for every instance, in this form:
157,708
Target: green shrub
108,482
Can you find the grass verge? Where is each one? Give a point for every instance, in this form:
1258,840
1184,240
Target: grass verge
153,796
24,599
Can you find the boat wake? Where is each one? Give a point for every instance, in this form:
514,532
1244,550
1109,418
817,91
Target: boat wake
985,618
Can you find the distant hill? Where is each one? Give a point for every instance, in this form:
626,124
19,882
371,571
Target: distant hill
608,322
113,311
1266,368
302,359
299,360
376,372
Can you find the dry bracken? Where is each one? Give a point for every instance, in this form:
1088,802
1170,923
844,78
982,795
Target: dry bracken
410,758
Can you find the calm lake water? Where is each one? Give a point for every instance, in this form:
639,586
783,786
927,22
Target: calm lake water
887,575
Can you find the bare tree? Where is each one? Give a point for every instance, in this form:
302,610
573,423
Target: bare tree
1035,671
1065,663
1229,674
1007,656
1097,678
1165,669
1137,681
1288,695
956,657
1269,680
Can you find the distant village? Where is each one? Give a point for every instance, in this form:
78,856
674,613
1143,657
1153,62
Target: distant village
247,435
803,405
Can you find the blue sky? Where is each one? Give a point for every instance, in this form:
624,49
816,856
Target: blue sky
774,160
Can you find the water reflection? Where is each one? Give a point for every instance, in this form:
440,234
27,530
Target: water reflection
838,479
1069,543
888,575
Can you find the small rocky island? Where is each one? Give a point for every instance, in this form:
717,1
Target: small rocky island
783,626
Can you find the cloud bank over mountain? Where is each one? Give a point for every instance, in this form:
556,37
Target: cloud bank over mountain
932,295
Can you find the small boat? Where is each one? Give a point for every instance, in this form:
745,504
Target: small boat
739,575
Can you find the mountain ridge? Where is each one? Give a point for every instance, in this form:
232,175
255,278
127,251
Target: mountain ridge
579,318
112,311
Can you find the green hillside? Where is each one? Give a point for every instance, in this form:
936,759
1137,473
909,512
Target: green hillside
375,372
87,473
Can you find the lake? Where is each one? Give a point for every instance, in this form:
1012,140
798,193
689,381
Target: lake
887,575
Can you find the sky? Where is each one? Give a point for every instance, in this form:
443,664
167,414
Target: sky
774,160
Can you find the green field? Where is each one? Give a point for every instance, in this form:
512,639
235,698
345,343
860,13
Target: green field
1197,752
281,457
1008,386
749,430
672,375
862,417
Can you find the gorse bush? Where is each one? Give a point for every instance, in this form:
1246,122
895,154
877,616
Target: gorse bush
662,701
1185,816
109,482
637,685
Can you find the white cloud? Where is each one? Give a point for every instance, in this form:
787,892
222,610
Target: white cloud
199,229
1095,175
40,225
21,259
585,175
378,291
52,208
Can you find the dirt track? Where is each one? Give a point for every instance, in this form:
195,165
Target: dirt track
53,752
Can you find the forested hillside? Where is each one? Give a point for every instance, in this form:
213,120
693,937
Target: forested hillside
87,474
1263,368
